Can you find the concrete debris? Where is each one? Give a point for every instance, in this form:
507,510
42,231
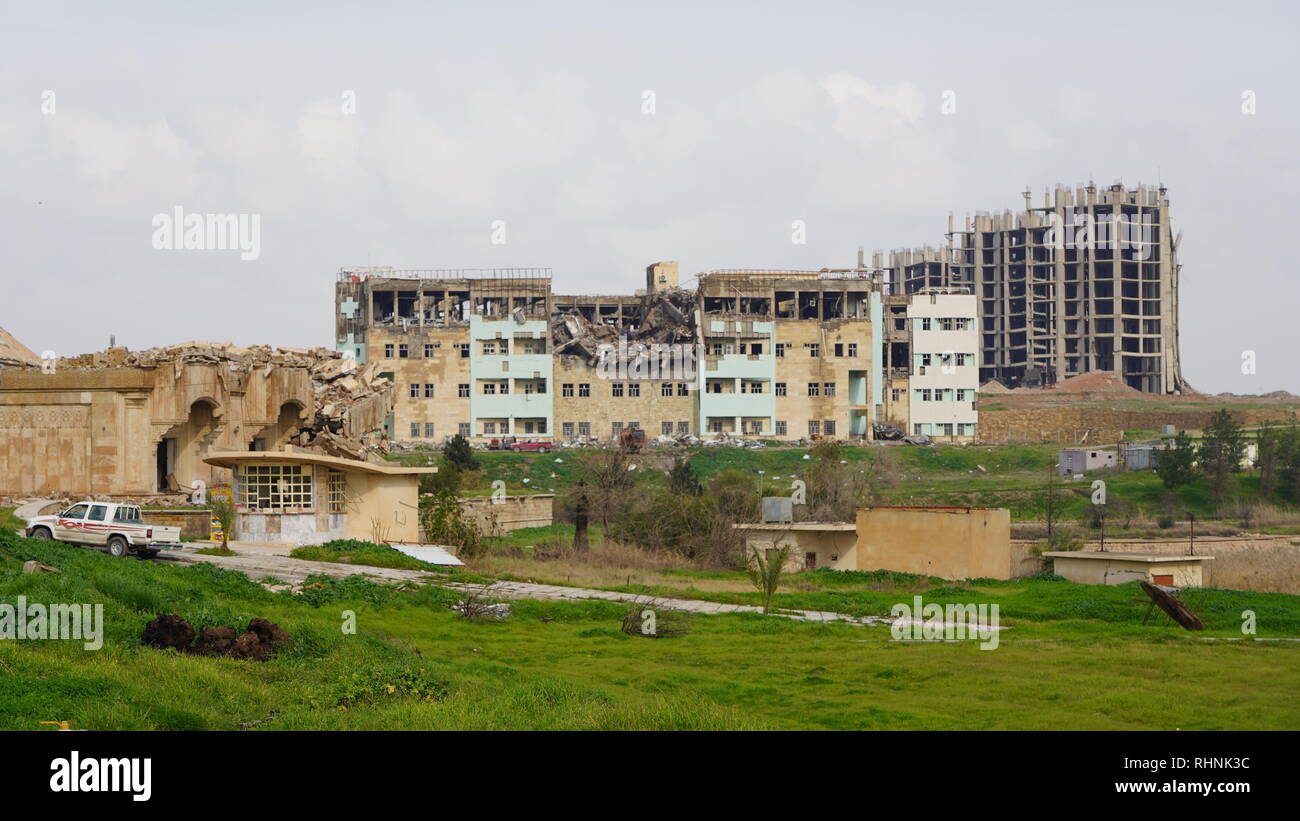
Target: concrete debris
34,566
351,399
666,319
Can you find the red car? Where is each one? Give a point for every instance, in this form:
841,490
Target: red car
531,446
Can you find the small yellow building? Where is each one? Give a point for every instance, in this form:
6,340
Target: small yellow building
948,542
1098,567
296,497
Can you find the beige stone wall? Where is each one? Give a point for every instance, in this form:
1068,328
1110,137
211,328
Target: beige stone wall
951,543
96,432
797,368
511,514
445,370
601,409
835,549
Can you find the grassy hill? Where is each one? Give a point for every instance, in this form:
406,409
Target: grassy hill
1077,657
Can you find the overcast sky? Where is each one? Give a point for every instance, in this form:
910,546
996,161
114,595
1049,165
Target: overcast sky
398,134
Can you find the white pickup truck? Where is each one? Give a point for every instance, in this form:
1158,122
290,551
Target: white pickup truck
118,527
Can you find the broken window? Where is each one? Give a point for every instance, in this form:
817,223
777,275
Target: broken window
683,389
839,349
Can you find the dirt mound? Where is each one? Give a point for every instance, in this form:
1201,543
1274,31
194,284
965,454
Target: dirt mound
261,641
1097,383
994,386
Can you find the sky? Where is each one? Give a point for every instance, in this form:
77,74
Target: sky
594,139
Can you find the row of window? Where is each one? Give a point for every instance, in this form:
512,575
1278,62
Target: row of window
840,349
945,394
403,351
463,428
946,323
944,428
925,359
416,390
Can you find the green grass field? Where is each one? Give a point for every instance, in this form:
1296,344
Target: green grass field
1077,657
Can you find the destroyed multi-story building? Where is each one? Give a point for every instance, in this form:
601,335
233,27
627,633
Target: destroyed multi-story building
784,355
1087,281
123,423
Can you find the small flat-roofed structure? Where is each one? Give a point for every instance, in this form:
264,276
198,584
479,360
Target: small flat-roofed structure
1099,567
297,497
812,544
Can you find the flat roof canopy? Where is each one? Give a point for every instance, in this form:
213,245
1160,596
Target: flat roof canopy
232,458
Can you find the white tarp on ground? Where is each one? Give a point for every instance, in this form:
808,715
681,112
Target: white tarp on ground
431,553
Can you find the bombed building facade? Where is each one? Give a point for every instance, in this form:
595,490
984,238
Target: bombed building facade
136,424
783,355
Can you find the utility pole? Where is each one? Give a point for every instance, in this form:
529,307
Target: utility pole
1192,519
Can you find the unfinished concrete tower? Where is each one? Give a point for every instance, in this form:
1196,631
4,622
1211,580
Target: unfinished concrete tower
1086,282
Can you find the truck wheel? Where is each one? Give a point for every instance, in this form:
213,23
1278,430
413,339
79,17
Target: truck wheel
146,554
42,533
117,546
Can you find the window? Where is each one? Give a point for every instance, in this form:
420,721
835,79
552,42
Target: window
925,323
780,350
489,428
779,389
617,427
814,428
780,427
128,514
839,349
541,386
462,391
415,391
814,349
925,359
428,390
505,387
584,389
336,491
717,349
683,389
961,394
428,430
916,429
715,425
634,389
489,388
75,512
752,387
584,428
528,388
755,426
97,513
634,425
566,429
403,351
828,427
464,350
814,389
428,350
853,349
388,351
276,487
924,394
528,427
756,348
896,394
463,429
945,429
415,430
616,389
683,427
666,389
566,389
828,389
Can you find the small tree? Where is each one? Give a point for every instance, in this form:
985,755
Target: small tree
223,510
683,479
1222,448
443,521
458,452
765,569
1269,444
1176,465
1051,500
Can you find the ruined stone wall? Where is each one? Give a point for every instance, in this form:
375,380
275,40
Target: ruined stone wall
1069,424
602,408
798,367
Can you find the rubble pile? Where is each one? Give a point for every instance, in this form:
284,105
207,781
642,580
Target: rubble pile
351,399
667,319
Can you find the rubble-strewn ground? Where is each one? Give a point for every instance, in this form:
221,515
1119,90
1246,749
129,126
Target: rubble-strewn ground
1077,656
